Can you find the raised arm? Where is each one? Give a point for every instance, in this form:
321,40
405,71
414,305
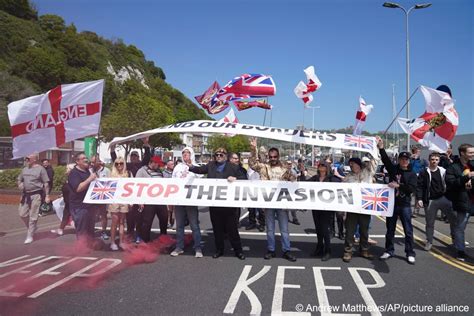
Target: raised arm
385,159
253,163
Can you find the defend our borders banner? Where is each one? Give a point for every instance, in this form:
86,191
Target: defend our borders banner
364,198
334,140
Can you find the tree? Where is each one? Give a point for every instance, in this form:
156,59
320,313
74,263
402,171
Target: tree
44,66
19,8
237,143
134,114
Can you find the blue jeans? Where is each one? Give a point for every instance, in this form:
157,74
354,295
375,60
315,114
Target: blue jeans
404,212
193,216
458,221
84,220
283,223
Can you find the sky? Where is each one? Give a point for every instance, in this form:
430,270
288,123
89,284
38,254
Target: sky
356,46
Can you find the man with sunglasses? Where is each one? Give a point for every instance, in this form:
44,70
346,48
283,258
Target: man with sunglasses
276,171
33,182
430,195
83,214
223,219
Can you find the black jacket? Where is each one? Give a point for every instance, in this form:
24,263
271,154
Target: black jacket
230,170
406,178
424,185
456,187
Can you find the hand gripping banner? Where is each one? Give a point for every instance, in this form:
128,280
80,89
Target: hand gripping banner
343,141
363,198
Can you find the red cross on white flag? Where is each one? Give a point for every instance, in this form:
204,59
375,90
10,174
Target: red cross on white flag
65,113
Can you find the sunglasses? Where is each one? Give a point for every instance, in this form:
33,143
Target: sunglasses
219,154
119,163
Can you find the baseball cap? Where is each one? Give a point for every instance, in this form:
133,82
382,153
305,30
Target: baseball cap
157,159
404,154
365,159
134,153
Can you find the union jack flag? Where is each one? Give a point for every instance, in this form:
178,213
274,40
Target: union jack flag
359,142
375,199
103,190
247,86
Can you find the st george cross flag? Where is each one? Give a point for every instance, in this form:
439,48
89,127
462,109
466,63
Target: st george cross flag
230,117
438,125
303,91
361,116
65,113
313,80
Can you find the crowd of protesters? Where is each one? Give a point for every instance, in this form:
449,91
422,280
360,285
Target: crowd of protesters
444,183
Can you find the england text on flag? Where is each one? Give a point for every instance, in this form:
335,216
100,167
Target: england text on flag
63,114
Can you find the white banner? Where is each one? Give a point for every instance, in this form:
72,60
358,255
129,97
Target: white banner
64,113
373,199
343,141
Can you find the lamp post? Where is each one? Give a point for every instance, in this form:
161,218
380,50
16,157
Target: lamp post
392,5
312,147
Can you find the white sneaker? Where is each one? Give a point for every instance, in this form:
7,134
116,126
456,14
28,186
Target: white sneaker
58,231
114,247
176,252
411,260
28,240
385,256
428,246
198,253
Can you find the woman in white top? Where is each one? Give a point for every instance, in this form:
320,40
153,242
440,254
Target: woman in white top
118,211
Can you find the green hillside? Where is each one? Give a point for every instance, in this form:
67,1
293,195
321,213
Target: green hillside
38,53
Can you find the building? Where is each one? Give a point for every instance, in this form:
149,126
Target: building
61,155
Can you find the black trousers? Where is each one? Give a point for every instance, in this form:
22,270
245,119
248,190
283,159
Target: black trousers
224,220
322,222
134,220
253,216
148,215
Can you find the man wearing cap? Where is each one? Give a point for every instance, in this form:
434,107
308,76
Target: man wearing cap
33,182
404,181
273,170
152,170
224,219
133,217
358,174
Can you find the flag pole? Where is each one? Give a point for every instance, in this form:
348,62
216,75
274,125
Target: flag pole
400,111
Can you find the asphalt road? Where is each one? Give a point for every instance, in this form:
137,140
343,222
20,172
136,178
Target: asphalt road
52,276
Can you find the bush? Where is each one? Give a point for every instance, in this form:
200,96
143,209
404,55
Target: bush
8,178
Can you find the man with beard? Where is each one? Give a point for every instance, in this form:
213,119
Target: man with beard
276,171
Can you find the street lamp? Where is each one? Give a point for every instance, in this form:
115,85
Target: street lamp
312,147
392,5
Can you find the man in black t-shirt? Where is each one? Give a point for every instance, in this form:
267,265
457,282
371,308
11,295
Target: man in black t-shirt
430,194
83,214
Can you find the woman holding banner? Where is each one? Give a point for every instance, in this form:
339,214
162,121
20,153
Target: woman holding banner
118,211
322,219
223,219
